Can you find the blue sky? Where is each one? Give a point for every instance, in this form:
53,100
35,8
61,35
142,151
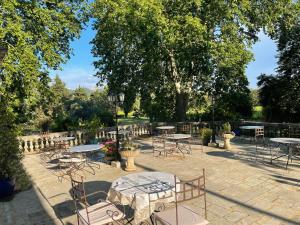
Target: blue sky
79,70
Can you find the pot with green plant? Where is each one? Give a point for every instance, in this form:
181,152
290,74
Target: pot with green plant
227,135
10,154
205,135
129,151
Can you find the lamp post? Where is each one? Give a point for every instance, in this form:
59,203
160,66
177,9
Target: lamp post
213,138
213,101
116,100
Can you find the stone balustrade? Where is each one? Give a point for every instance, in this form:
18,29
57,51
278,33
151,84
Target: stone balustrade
34,143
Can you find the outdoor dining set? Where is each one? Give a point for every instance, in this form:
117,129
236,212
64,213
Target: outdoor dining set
150,197
276,147
143,198
167,143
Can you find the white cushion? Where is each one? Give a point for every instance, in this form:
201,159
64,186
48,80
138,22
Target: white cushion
100,213
186,216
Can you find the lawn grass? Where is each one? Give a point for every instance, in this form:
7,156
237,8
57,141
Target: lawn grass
132,120
257,113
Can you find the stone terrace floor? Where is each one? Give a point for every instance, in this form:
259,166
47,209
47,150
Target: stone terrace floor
240,190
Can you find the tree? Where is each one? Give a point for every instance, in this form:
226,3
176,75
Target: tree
10,154
37,35
129,100
279,93
170,49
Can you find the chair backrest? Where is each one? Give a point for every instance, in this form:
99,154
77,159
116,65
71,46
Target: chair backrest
259,133
189,189
158,142
79,196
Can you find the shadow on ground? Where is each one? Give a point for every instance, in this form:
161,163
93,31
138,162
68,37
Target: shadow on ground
92,188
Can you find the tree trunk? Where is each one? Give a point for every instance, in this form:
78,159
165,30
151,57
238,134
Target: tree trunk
181,106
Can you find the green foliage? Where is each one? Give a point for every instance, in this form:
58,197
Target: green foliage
10,154
37,35
205,135
129,100
258,113
168,50
279,93
255,97
226,128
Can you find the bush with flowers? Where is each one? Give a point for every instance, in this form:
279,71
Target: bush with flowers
110,149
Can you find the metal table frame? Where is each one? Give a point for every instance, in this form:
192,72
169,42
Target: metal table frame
289,144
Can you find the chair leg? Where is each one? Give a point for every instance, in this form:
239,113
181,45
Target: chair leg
287,163
255,152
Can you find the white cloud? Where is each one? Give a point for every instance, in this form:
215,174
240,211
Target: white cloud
77,76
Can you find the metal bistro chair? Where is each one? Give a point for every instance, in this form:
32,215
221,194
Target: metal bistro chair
158,146
182,214
162,146
260,143
103,212
185,146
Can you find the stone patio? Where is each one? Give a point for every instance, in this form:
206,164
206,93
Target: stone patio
240,189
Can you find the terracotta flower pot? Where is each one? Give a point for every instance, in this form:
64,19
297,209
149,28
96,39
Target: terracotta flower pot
130,155
227,137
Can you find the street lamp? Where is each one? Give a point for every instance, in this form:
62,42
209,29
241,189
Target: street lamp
213,138
116,100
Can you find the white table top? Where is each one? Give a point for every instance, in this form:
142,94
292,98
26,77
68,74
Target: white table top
178,136
251,127
138,188
165,127
295,141
85,148
63,138
122,132
71,160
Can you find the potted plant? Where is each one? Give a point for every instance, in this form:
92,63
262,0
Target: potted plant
109,150
129,151
205,135
227,135
10,154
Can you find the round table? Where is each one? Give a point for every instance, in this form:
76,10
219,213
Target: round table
165,129
143,190
251,127
177,137
120,132
63,139
186,148
86,149
288,142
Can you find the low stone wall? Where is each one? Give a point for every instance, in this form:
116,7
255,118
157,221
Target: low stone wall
34,143
271,129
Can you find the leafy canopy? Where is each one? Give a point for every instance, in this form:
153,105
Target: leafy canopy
37,37
168,50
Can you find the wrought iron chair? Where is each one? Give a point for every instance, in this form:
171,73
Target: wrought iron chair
185,146
162,146
182,214
260,142
158,146
103,212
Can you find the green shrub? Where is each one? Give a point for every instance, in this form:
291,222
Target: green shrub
226,128
205,135
10,154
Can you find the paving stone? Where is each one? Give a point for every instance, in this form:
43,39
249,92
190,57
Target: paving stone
235,216
240,190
